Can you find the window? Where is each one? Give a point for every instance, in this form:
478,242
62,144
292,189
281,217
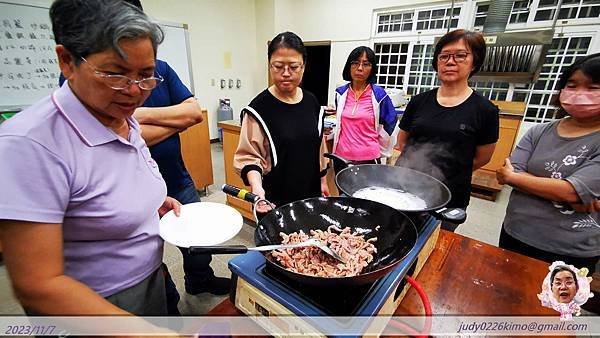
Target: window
518,14
392,61
520,11
437,18
589,9
481,13
398,22
425,19
491,90
521,92
570,9
563,52
421,76
407,62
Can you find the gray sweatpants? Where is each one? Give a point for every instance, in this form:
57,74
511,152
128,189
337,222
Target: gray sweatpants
147,298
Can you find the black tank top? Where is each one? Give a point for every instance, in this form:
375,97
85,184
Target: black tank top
294,132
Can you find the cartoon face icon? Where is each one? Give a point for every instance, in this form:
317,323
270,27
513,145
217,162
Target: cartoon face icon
565,289
564,285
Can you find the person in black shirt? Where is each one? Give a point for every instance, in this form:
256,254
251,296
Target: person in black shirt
450,131
280,152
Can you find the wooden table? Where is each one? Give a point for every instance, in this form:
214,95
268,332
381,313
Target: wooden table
464,276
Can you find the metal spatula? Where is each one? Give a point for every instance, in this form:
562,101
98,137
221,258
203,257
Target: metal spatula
234,249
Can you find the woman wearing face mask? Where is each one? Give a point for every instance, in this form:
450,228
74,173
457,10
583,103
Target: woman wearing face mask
280,153
553,209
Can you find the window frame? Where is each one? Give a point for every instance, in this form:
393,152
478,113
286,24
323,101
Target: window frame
547,93
415,10
467,14
531,23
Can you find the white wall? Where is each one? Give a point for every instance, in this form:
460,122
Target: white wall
347,24
283,17
339,54
218,30
265,26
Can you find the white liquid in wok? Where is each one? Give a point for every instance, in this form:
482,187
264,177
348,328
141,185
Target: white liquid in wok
395,198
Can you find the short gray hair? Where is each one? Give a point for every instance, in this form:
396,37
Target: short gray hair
86,27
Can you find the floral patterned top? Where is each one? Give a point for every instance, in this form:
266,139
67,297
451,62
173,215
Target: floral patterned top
549,225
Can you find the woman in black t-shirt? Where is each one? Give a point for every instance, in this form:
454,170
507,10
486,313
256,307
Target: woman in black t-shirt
450,131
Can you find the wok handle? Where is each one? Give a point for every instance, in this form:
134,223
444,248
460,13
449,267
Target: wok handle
454,215
340,162
245,195
240,193
218,249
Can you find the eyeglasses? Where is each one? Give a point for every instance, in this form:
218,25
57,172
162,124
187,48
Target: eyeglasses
120,82
458,57
568,283
292,67
355,64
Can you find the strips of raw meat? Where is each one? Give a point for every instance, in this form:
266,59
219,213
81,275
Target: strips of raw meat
312,261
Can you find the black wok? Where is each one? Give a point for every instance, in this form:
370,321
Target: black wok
396,234
435,193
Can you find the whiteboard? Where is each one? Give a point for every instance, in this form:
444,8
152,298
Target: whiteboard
175,49
28,64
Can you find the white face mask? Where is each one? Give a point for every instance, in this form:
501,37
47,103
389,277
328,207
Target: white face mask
581,104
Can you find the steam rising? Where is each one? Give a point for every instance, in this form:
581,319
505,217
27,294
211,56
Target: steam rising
421,157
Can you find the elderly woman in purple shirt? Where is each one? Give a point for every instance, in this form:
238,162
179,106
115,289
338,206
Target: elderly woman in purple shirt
81,194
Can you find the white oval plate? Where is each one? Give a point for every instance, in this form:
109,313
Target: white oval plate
201,224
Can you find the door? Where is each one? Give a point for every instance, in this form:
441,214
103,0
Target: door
316,74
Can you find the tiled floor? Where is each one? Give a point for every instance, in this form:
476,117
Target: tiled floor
483,223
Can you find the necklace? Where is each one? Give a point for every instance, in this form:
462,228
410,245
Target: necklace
291,98
356,98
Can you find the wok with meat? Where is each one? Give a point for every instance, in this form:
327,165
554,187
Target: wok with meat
391,233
